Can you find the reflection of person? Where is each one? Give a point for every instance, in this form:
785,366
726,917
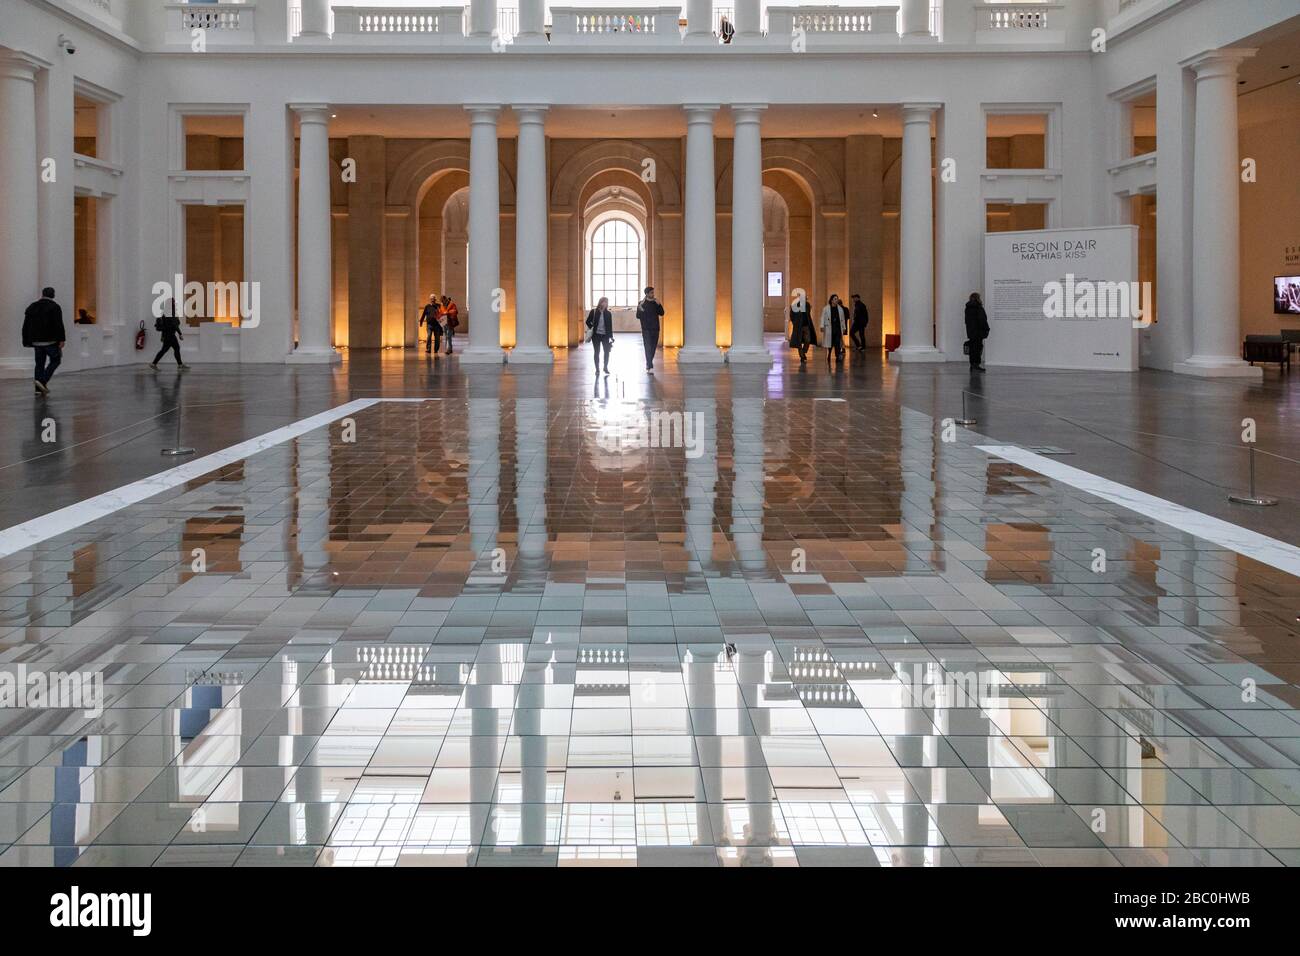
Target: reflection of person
977,330
802,334
835,321
44,334
648,313
601,322
432,326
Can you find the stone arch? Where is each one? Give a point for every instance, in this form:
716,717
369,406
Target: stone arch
626,155
819,177
410,178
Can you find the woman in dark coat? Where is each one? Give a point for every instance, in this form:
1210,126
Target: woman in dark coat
802,333
977,330
601,323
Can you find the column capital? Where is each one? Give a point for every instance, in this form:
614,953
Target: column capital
747,112
312,112
1218,63
16,65
916,112
530,112
700,112
483,112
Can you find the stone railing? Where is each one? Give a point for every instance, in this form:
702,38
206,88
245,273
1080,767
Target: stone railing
846,21
612,24
397,22
222,24
1015,16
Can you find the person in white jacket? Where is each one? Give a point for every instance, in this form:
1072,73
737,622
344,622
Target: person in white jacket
834,324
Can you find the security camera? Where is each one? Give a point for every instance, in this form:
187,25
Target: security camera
67,45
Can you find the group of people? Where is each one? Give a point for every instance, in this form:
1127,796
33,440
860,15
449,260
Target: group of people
600,325
837,321
441,317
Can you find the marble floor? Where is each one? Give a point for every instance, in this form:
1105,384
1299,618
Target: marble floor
731,617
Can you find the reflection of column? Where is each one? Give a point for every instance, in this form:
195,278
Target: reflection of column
484,237
700,423
1216,319
315,271
530,239
747,408
483,481
916,242
20,282
916,504
531,410
700,245
747,238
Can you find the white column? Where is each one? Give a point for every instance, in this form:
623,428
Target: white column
531,306
484,238
315,19
20,281
916,240
532,22
749,19
914,18
700,241
1216,174
747,237
271,22
315,269
699,21
482,17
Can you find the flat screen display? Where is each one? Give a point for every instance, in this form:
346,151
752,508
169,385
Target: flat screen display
1286,295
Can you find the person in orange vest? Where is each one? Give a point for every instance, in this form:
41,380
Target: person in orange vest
450,319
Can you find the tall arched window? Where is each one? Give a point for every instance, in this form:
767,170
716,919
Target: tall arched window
616,261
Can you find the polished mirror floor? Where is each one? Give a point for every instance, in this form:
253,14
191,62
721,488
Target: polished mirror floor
719,618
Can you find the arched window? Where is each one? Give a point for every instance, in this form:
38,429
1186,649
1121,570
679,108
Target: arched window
616,260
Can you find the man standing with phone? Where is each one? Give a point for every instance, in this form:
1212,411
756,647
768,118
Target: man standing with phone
648,313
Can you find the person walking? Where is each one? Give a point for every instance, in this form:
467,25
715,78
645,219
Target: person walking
835,320
170,327
802,333
858,330
648,312
601,322
450,314
977,330
43,332
429,318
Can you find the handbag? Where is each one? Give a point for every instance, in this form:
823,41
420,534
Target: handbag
965,347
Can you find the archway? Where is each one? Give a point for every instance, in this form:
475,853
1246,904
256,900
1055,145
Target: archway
614,261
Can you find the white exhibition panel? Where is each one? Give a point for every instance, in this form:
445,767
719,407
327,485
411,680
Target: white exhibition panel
1018,268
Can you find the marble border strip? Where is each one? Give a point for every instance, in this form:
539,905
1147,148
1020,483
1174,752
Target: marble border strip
38,530
1251,544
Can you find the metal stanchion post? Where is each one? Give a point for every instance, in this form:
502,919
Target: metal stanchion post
1251,498
965,418
178,449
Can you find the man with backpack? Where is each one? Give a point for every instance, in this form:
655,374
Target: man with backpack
170,327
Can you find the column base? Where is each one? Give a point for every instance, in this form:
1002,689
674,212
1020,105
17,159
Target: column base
313,357
699,355
530,355
748,355
904,356
15,368
1218,366
482,356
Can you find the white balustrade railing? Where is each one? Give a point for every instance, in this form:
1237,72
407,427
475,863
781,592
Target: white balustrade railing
847,21
1016,16
610,24
213,16
395,22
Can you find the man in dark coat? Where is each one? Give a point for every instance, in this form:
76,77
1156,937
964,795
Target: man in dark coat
648,313
858,328
977,330
43,332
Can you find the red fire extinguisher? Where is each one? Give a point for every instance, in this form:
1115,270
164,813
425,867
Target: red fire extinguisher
139,337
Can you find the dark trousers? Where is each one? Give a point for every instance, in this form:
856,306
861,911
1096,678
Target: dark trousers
451,334
858,335
169,341
803,338
976,352
650,338
433,338
599,342
48,358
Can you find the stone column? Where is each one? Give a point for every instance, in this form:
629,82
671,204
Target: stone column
315,19
914,18
700,249
315,272
749,19
699,21
916,240
1216,178
20,280
747,238
484,238
531,261
482,17
532,22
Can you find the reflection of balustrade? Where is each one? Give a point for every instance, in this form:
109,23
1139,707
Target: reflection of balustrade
655,24
847,21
